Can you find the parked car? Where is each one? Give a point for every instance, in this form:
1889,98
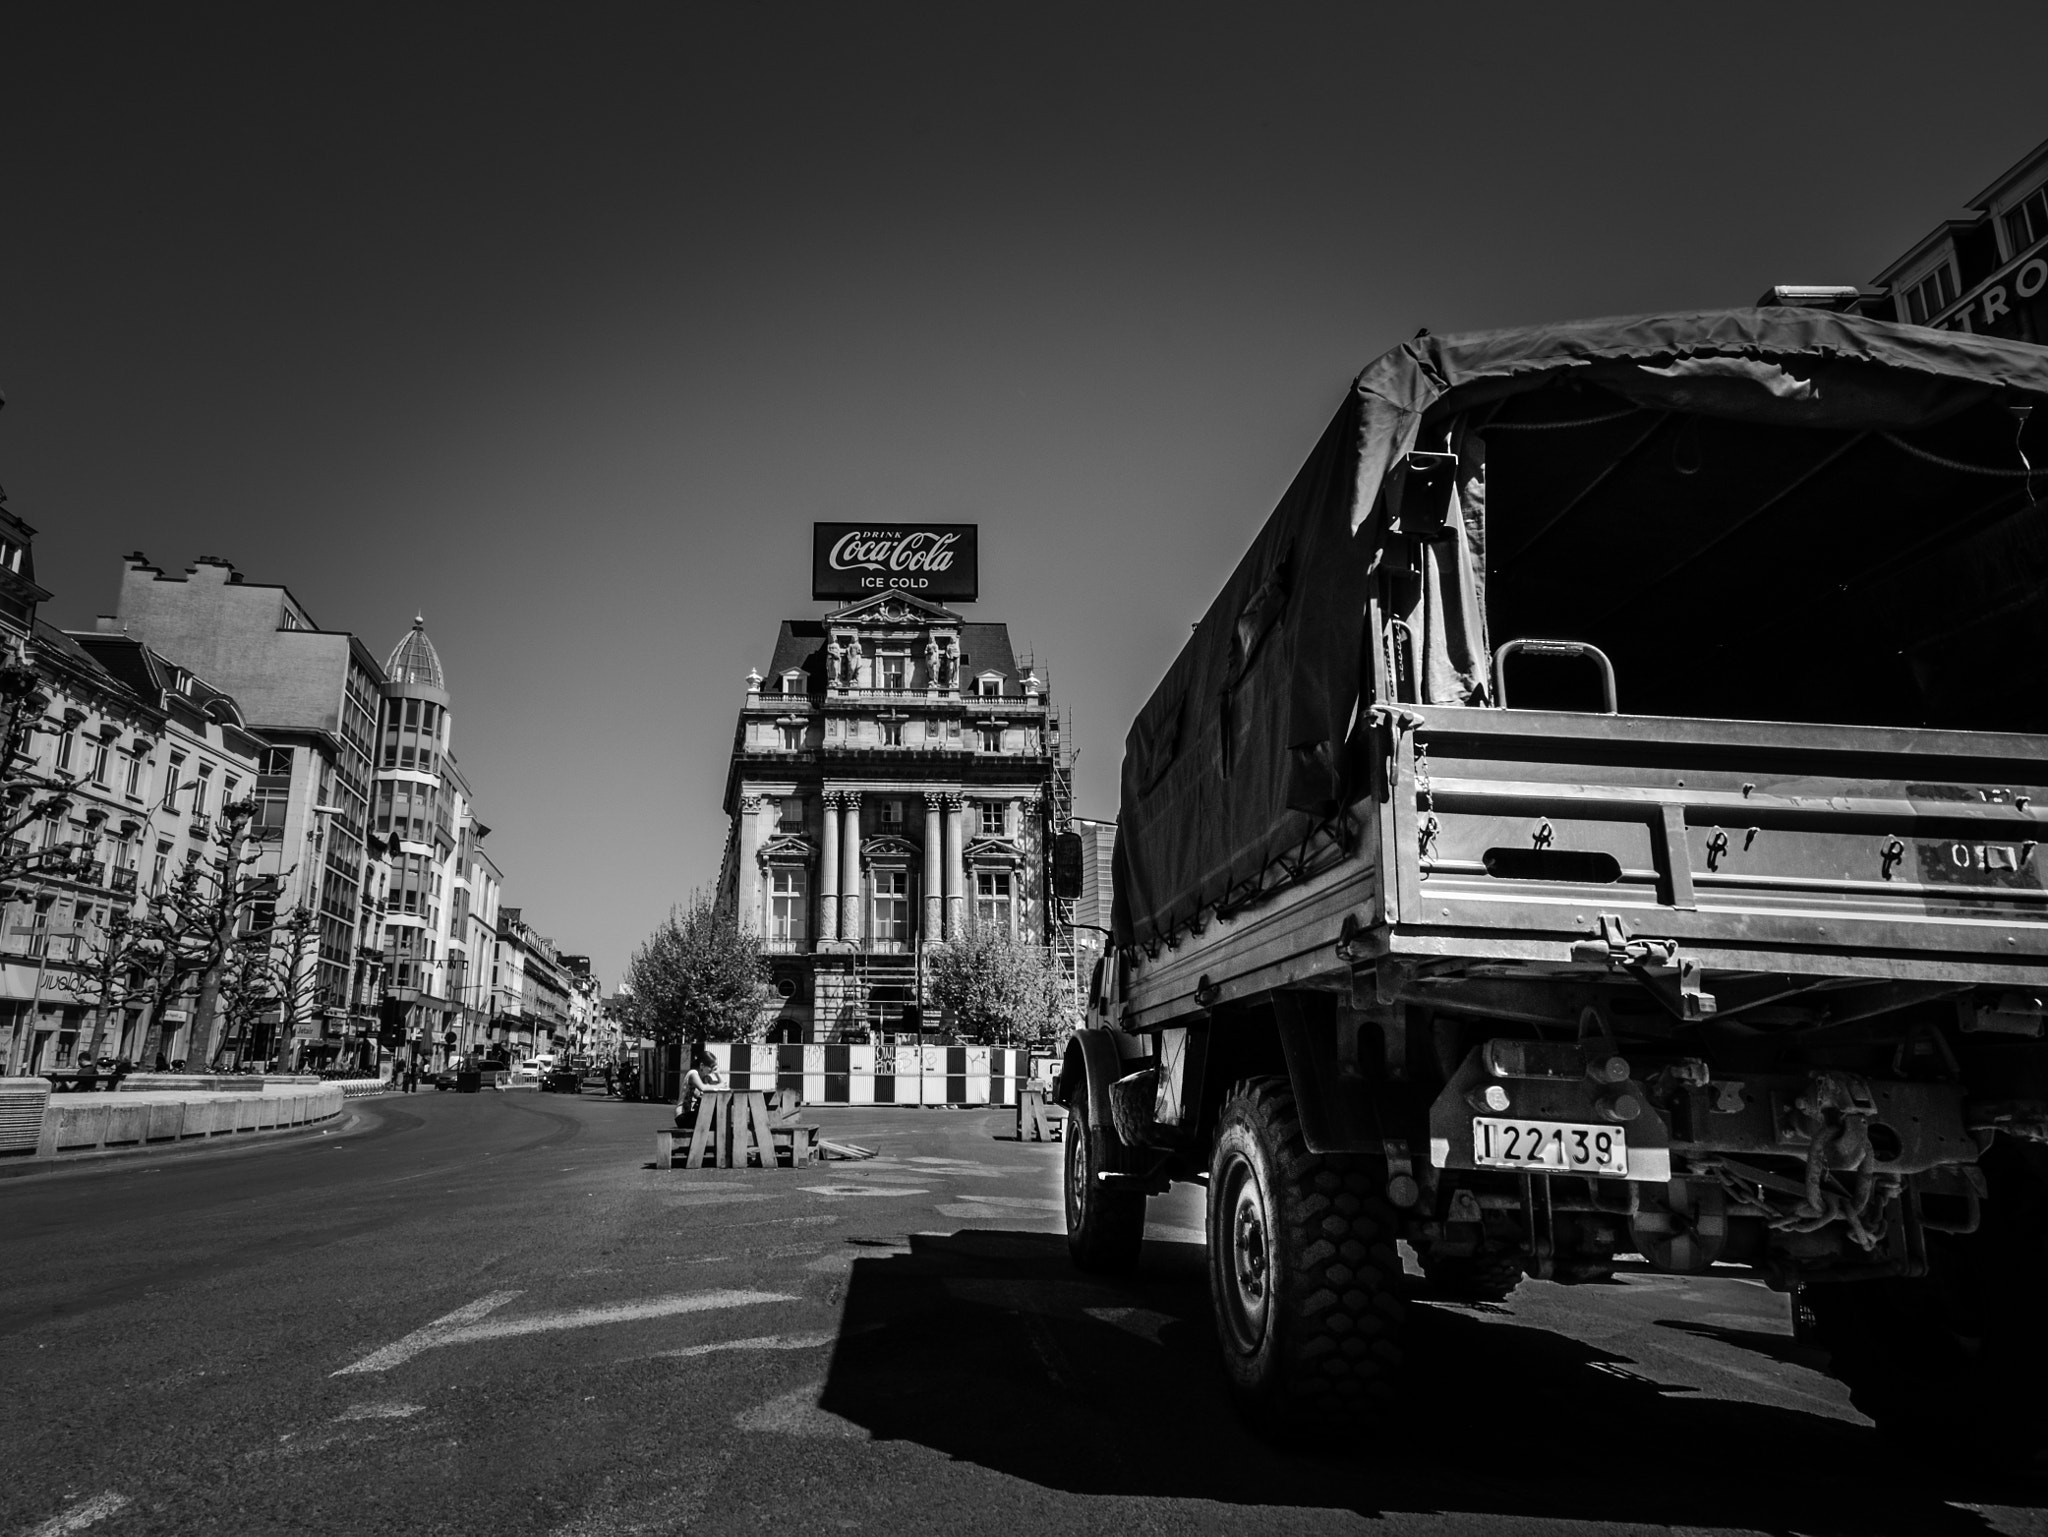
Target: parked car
444,1081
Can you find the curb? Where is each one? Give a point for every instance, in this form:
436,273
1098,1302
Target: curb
93,1157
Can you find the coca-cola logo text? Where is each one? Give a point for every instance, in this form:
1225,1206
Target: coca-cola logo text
866,550
930,560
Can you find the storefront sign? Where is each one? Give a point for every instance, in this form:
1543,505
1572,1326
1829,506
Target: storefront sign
932,560
1996,306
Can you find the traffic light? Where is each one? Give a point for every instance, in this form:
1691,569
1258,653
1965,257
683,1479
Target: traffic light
1066,866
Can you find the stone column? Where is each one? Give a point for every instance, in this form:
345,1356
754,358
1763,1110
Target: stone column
749,914
828,870
849,869
934,872
956,867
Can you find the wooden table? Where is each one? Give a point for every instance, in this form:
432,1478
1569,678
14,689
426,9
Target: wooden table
736,1129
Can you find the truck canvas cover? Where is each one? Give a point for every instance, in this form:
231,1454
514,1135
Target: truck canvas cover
1773,514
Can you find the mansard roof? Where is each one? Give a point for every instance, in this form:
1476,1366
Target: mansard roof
800,644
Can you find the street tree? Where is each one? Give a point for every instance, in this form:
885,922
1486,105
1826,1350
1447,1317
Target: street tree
35,800
108,976
269,983
997,990
698,977
188,927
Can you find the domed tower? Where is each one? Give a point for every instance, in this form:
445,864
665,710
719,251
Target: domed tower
414,814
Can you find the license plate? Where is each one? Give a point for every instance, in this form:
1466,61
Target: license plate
1557,1147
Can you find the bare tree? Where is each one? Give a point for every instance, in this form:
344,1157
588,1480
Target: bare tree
188,928
34,801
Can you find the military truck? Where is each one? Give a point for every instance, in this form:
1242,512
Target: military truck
1601,823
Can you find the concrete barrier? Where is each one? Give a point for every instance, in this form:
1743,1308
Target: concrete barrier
81,1123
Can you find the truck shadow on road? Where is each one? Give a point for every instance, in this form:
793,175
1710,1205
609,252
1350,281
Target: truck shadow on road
989,1347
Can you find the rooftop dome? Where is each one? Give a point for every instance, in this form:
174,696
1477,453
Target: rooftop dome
413,659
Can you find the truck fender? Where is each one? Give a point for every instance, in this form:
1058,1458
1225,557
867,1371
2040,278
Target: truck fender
1091,1065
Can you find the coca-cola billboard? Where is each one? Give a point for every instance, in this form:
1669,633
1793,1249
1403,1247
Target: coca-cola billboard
932,560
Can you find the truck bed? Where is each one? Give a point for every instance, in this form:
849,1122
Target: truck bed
1519,836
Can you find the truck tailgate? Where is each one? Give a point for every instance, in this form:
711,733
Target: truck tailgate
1843,850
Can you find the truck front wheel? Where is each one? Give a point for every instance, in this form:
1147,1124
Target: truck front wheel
1105,1225
1304,1279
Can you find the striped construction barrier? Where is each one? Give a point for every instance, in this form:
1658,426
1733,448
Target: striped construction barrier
878,1075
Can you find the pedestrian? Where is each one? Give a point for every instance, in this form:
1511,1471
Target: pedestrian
88,1076
161,1065
412,1077
702,1077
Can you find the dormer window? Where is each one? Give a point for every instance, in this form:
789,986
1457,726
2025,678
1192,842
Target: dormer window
793,681
989,685
1932,294
290,621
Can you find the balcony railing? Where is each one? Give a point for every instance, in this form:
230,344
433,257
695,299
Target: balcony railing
124,882
785,944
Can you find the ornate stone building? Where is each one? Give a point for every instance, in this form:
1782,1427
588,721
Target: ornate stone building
889,786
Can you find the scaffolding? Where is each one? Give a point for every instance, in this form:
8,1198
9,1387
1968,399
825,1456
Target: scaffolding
1060,819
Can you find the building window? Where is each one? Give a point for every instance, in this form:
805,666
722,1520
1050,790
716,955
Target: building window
790,819
989,687
1932,294
890,815
133,786
992,900
786,902
991,819
96,755
203,798
174,785
66,745
792,734
2027,223
163,864
895,672
991,738
892,906
892,731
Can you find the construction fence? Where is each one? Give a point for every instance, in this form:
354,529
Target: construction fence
882,1075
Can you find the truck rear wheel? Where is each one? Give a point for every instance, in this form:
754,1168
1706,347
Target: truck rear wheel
1105,1225
1304,1279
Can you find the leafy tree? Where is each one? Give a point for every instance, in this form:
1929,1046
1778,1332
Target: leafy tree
698,977
998,991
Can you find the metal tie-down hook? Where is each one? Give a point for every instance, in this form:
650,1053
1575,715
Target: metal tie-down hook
1544,835
1716,847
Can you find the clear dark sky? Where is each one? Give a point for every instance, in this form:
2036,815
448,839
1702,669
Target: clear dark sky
562,324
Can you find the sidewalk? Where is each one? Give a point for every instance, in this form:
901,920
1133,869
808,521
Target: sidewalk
83,1125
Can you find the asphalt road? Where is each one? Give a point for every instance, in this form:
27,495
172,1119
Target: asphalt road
489,1314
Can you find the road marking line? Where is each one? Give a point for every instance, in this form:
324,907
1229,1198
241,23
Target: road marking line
759,1342
461,1326
96,1508
860,1190
428,1335
380,1412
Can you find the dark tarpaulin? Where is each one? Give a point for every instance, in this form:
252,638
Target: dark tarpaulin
1243,748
